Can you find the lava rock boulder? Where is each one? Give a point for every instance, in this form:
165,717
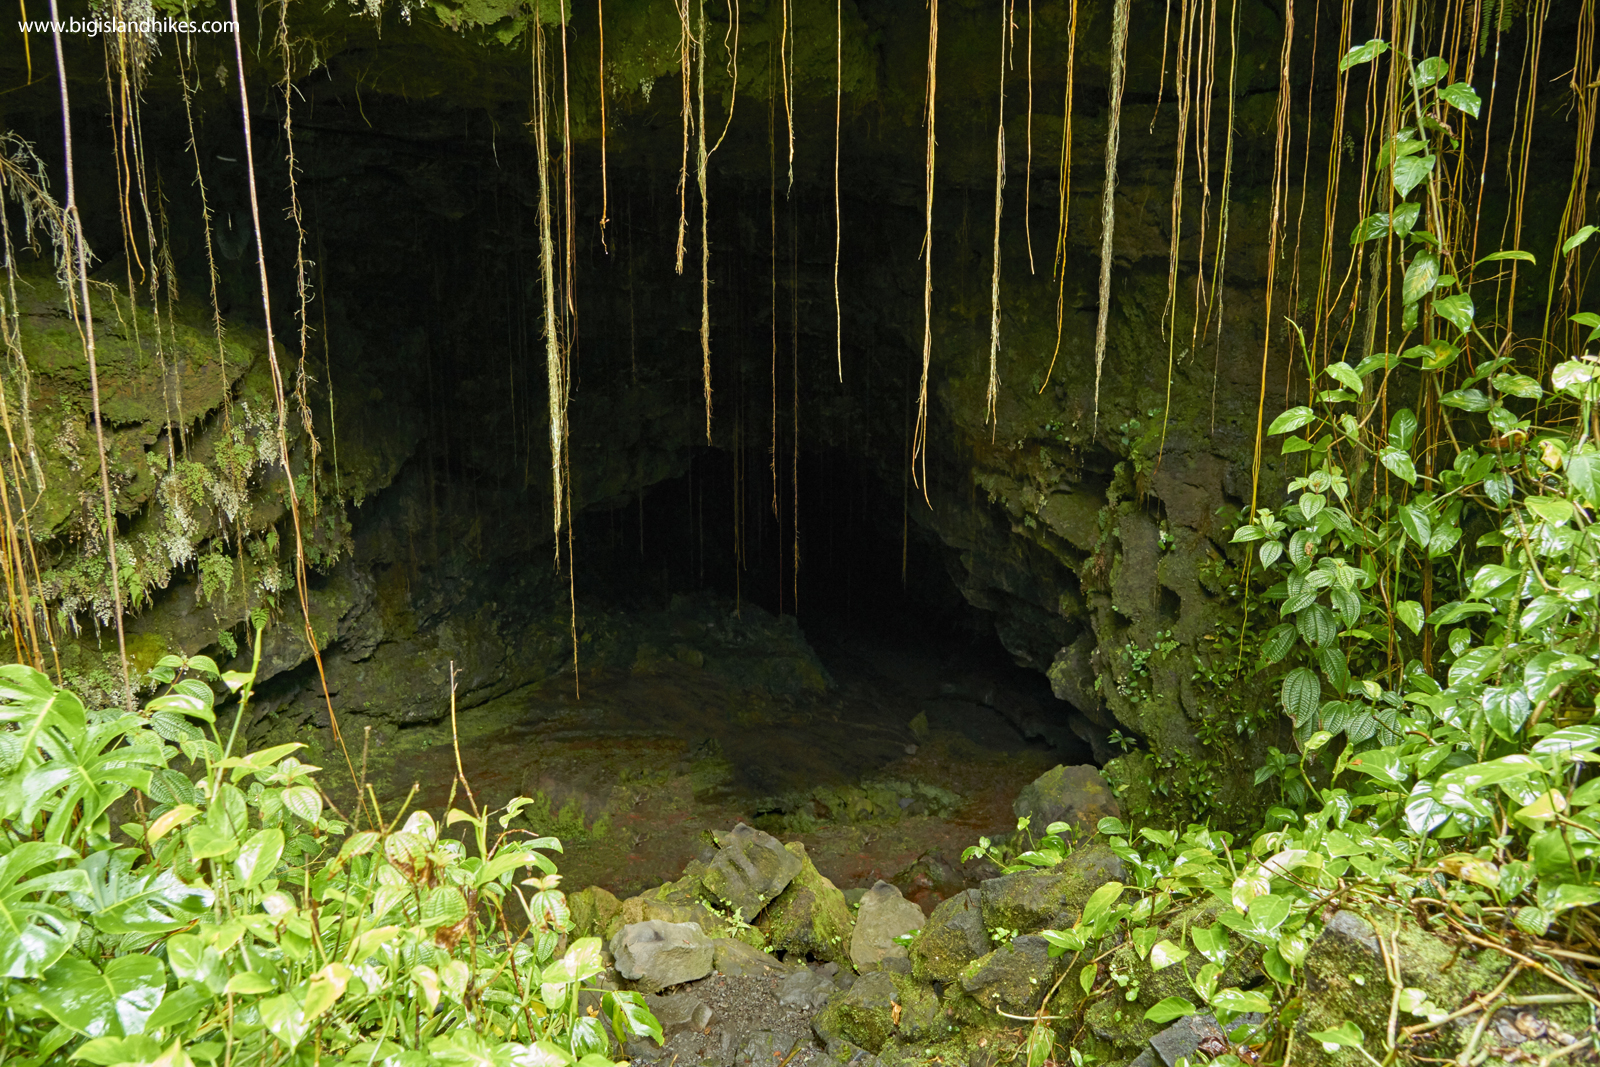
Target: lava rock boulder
883,916
658,954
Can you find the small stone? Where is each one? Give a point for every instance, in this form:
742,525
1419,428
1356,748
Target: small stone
806,989
681,1011
749,870
764,1048
884,915
739,960
1183,1039
659,954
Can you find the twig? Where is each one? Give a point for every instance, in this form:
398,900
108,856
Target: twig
1554,976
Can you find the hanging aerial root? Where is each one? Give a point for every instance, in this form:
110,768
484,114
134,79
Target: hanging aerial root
1108,215
993,391
1065,194
919,437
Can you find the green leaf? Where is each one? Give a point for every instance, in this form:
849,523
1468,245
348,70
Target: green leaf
304,802
1457,310
1578,238
1346,1034
1414,520
1270,551
1363,53
1429,71
192,960
630,1014
1041,1044
205,843
1169,1009
34,935
1495,257
1316,625
258,856
1517,385
1399,464
1402,429
1371,228
1474,665
1278,642
1291,420
1423,274
149,901
114,1002
1099,904
1241,1002
1467,400
443,906
1411,172
1464,98
1302,692
1164,954
1457,610
249,983
1555,510
1410,613
1346,376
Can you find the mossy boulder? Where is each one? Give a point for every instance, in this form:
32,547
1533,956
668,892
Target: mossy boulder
1035,900
863,1015
593,910
810,917
1077,795
953,938
749,870
1015,977
1345,982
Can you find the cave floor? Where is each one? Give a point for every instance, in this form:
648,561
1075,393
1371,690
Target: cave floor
889,772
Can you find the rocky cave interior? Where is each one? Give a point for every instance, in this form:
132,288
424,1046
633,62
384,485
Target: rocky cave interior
1049,592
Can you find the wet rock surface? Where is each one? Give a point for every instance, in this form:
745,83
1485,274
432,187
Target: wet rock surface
883,916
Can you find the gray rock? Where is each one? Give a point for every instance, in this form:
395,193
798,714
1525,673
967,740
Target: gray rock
806,989
1352,930
681,1011
1077,795
863,1016
1034,900
1183,1038
763,1048
749,870
1014,976
884,915
953,937
659,954
739,960
1147,1058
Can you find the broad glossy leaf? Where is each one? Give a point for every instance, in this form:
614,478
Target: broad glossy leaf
1099,904
1399,464
1474,665
1550,669
1363,53
205,843
304,802
1346,1034
1241,1002
258,856
114,1002
1423,273
1517,385
151,900
1291,420
33,934
1583,234
285,1019
1411,172
1466,400
1552,509
192,960
1457,610
1410,613
1457,310
1464,98
1384,764
1429,72
1507,708
1416,523
1169,1009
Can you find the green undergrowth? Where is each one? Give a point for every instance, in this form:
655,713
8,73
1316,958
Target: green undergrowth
154,915
1426,604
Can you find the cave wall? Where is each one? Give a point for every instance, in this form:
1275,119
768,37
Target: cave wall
1089,519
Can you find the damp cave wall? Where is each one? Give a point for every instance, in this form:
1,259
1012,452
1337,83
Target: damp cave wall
1092,538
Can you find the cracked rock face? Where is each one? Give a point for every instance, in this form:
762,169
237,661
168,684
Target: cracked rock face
750,869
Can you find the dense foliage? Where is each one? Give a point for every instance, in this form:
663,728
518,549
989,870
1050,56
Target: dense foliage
245,924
